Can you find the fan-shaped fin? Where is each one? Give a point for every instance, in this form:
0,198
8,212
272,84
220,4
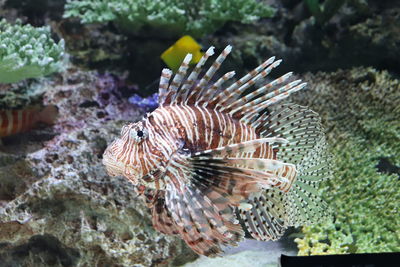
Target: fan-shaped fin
306,148
303,201
300,126
204,217
161,217
266,219
203,225
264,172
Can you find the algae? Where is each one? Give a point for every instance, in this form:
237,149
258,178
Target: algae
360,110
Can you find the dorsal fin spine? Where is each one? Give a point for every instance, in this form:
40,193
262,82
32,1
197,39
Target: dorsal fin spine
248,80
202,85
214,89
253,103
179,76
252,112
245,99
182,94
164,81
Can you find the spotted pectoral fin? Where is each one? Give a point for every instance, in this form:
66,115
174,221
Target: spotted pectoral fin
234,149
241,176
204,217
265,215
304,203
203,192
161,217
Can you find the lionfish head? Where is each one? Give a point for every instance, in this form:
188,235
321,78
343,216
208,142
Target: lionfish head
122,157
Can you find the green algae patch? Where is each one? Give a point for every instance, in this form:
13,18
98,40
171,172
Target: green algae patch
27,52
360,109
175,16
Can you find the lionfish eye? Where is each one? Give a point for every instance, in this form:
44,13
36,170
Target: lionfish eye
138,134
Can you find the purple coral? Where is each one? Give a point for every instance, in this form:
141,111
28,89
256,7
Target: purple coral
146,103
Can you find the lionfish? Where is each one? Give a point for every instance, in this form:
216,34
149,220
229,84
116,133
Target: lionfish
213,158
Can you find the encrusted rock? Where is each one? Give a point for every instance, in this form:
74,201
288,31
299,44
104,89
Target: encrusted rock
60,207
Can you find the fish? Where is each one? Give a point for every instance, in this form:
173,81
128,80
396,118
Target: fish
216,160
174,55
17,121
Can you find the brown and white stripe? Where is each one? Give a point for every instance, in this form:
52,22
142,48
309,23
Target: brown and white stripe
16,121
207,150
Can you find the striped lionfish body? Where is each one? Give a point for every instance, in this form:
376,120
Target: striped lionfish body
212,158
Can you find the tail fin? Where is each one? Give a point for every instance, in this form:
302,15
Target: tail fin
48,115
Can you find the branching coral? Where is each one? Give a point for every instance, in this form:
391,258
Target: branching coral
183,17
27,52
360,108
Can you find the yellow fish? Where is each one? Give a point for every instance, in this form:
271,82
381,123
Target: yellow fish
174,55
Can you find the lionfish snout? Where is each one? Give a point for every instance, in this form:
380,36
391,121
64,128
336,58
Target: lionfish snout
117,167
114,166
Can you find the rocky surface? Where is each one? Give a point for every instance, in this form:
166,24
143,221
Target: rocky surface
58,206
251,253
356,35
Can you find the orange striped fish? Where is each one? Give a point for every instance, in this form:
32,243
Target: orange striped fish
212,157
17,121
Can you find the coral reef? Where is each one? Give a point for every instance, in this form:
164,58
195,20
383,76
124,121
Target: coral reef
27,52
58,205
354,36
360,110
178,17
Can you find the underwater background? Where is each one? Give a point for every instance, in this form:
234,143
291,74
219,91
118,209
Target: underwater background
98,62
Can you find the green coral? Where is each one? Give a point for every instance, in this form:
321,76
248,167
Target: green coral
360,108
180,16
27,52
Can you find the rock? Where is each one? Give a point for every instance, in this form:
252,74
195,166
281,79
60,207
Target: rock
58,206
356,35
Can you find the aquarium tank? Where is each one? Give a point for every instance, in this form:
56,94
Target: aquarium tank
199,133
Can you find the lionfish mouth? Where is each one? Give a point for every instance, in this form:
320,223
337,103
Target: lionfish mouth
115,167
